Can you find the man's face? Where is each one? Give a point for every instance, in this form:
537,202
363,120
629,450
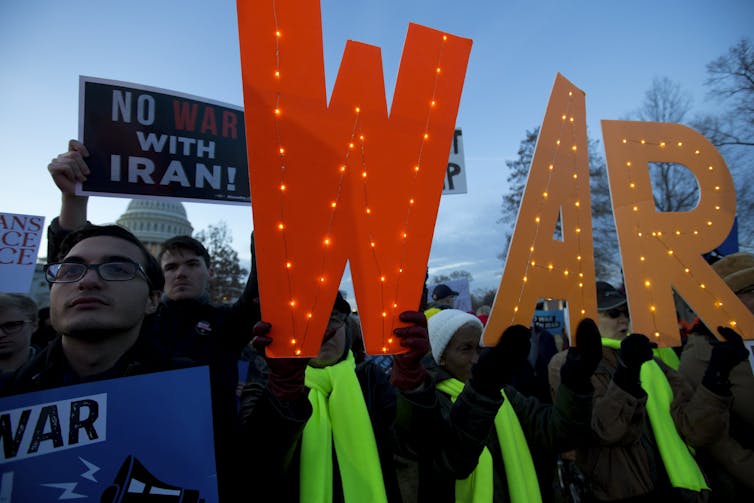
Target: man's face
461,353
92,305
186,274
614,323
15,331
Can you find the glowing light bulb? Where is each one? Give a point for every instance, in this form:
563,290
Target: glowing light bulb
281,226
288,265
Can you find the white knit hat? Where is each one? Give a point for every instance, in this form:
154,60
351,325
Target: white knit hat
444,325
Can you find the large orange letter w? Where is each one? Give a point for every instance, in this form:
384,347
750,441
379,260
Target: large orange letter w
344,182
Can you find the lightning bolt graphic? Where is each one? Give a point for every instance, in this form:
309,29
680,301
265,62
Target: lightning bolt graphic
67,488
91,470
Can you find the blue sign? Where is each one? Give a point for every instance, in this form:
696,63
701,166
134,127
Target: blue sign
141,438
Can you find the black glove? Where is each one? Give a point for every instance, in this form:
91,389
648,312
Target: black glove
497,365
287,375
725,355
635,349
582,360
408,372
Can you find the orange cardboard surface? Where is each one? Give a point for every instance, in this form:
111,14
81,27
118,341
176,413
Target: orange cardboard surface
540,265
344,181
663,250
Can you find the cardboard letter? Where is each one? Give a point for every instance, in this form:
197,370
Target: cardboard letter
340,182
537,265
660,250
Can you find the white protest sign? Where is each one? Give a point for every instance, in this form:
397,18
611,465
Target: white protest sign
20,236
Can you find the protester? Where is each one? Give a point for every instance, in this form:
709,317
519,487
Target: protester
185,324
344,451
443,297
637,450
728,459
100,294
469,429
18,321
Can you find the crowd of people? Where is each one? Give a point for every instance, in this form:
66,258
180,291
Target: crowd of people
447,420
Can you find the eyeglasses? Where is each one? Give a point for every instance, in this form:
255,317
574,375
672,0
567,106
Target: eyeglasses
13,327
616,313
70,272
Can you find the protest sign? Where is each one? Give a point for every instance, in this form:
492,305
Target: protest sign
142,435
660,251
154,143
345,181
20,236
455,176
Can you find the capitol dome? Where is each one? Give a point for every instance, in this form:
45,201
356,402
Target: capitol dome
154,221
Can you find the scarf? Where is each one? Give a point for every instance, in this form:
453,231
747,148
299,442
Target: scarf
478,487
339,416
679,463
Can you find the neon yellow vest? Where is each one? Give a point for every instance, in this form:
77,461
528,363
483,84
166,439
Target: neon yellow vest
523,486
339,416
679,463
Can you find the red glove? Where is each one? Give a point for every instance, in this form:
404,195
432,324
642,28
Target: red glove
286,378
408,372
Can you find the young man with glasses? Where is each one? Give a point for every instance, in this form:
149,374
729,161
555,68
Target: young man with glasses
100,294
185,324
18,321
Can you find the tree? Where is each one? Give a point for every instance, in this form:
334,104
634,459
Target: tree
730,82
604,236
227,282
440,278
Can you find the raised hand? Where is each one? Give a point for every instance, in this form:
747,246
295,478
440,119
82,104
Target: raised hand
583,358
498,364
408,372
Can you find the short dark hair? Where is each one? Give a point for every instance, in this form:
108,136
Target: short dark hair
21,302
151,266
185,243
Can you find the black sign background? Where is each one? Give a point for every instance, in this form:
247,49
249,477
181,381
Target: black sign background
105,137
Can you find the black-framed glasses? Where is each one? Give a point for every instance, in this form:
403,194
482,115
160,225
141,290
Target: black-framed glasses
70,272
616,313
13,327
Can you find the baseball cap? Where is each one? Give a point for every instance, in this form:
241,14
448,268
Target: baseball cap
442,290
608,297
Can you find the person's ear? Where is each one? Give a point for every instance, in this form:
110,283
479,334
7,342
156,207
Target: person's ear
153,300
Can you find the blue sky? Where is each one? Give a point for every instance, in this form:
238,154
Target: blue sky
611,50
